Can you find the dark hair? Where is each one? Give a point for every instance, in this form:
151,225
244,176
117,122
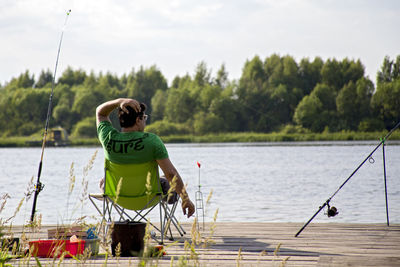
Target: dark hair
129,119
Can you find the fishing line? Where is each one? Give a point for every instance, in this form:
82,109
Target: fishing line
332,212
39,186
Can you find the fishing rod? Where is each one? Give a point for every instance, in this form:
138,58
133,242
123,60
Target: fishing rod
332,211
39,186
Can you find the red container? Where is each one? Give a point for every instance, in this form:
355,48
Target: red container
55,248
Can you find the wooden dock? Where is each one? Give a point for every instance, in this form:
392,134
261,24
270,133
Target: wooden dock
263,244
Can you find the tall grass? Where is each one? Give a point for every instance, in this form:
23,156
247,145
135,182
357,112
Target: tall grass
29,229
194,246
278,137
282,136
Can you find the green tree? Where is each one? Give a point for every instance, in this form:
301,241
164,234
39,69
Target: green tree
286,72
389,71
143,85
181,81
45,79
164,127
64,117
179,106
353,103
85,128
365,90
228,110
207,95
29,110
86,101
109,80
202,75
310,74
63,114
91,81
337,74
252,94
326,95
222,77
272,65
270,91
282,105
158,102
24,80
109,86
8,110
270,94
71,77
317,111
206,123
345,105
202,88
308,113
386,102
253,76
352,71
331,74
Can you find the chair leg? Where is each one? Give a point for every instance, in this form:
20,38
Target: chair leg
170,219
161,224
102,226
167,222
166,217
174,221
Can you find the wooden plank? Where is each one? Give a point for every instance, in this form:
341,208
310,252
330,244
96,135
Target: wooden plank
361,261
267,244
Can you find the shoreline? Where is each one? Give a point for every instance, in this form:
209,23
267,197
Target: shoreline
220,138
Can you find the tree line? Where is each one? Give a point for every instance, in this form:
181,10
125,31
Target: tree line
273,94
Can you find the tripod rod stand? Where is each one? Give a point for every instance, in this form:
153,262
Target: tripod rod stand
199,203
351,175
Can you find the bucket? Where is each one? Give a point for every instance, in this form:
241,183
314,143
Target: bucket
92,245
51,248
130,235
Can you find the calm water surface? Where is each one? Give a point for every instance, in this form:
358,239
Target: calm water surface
279,182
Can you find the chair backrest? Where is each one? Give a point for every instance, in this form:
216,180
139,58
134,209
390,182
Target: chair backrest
135,192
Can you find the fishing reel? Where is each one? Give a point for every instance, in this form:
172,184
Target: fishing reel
332,211
39,187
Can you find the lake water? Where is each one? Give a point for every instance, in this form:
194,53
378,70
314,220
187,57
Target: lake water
257,182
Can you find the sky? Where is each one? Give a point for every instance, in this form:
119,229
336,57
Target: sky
117,36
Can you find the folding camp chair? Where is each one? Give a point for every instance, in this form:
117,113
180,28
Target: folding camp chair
131,192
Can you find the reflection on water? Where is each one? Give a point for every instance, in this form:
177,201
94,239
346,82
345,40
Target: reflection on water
262,182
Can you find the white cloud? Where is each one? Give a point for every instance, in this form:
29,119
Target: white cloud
116,35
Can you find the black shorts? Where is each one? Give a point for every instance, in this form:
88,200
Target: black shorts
172,198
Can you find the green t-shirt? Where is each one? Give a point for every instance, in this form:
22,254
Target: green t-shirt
130,147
